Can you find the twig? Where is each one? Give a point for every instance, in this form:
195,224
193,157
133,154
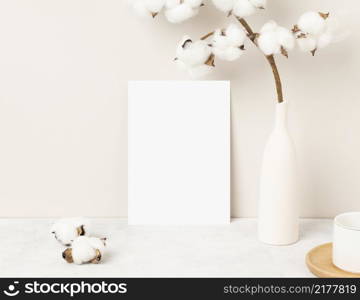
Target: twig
270,58
207,35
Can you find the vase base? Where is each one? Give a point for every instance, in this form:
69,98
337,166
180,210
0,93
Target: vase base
271,243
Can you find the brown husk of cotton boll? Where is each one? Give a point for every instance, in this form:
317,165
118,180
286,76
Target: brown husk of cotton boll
81,230
324,15
284,52
97,257
67,255
188,41
295,29
211,61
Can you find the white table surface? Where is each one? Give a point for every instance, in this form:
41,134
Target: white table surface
29,250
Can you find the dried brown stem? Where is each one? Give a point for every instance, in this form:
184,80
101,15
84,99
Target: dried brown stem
207,35
270,58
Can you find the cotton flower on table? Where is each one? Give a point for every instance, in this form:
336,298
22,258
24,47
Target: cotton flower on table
274,39
228,44
314,31
176,11
67,230
240,8
85,250
194,57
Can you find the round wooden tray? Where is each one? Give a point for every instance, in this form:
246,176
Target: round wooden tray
319,262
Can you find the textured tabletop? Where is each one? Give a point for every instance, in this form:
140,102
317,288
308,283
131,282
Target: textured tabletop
29,250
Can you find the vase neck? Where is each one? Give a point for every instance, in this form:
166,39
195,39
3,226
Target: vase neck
281,116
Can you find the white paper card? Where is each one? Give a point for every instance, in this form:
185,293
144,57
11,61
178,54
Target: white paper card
179,152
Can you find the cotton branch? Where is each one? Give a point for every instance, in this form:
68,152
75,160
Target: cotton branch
270,58
207,35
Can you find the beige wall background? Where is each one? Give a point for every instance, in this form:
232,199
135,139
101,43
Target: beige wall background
64,67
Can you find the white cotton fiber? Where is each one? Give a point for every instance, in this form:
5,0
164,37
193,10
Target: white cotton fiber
200,71
84,249
312,23
177,11
193,57
140,8
236,35
154,6
227,44
285,38
325,39
224,5
239,8
228,54
268,43
273,37
307,44
243,8
193,53
194,3
270,26
315,31
147,8
172,3
180,13
258,3
67,230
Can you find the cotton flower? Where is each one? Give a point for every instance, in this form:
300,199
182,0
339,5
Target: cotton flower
312,23
314,31
240,8
85,250
178,11
274,39
67,230
194,57
147,8
228,44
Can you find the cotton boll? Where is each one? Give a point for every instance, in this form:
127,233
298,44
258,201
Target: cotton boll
147,8
274,39
228,54
235,34
324,40
268,43
140,9
180,13
307,44
315,31
224,5
270,26
258,3
243,8
172,3
154,6
67,230
194,3
227,44
312,23
220,40
194,57
285,38
200,71
193,53
85,250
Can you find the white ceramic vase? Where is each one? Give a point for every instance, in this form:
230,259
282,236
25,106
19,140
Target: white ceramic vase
278,213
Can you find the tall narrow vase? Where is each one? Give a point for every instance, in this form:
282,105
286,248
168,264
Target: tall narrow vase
278,214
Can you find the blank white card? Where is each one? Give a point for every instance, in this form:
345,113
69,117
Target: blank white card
179,152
